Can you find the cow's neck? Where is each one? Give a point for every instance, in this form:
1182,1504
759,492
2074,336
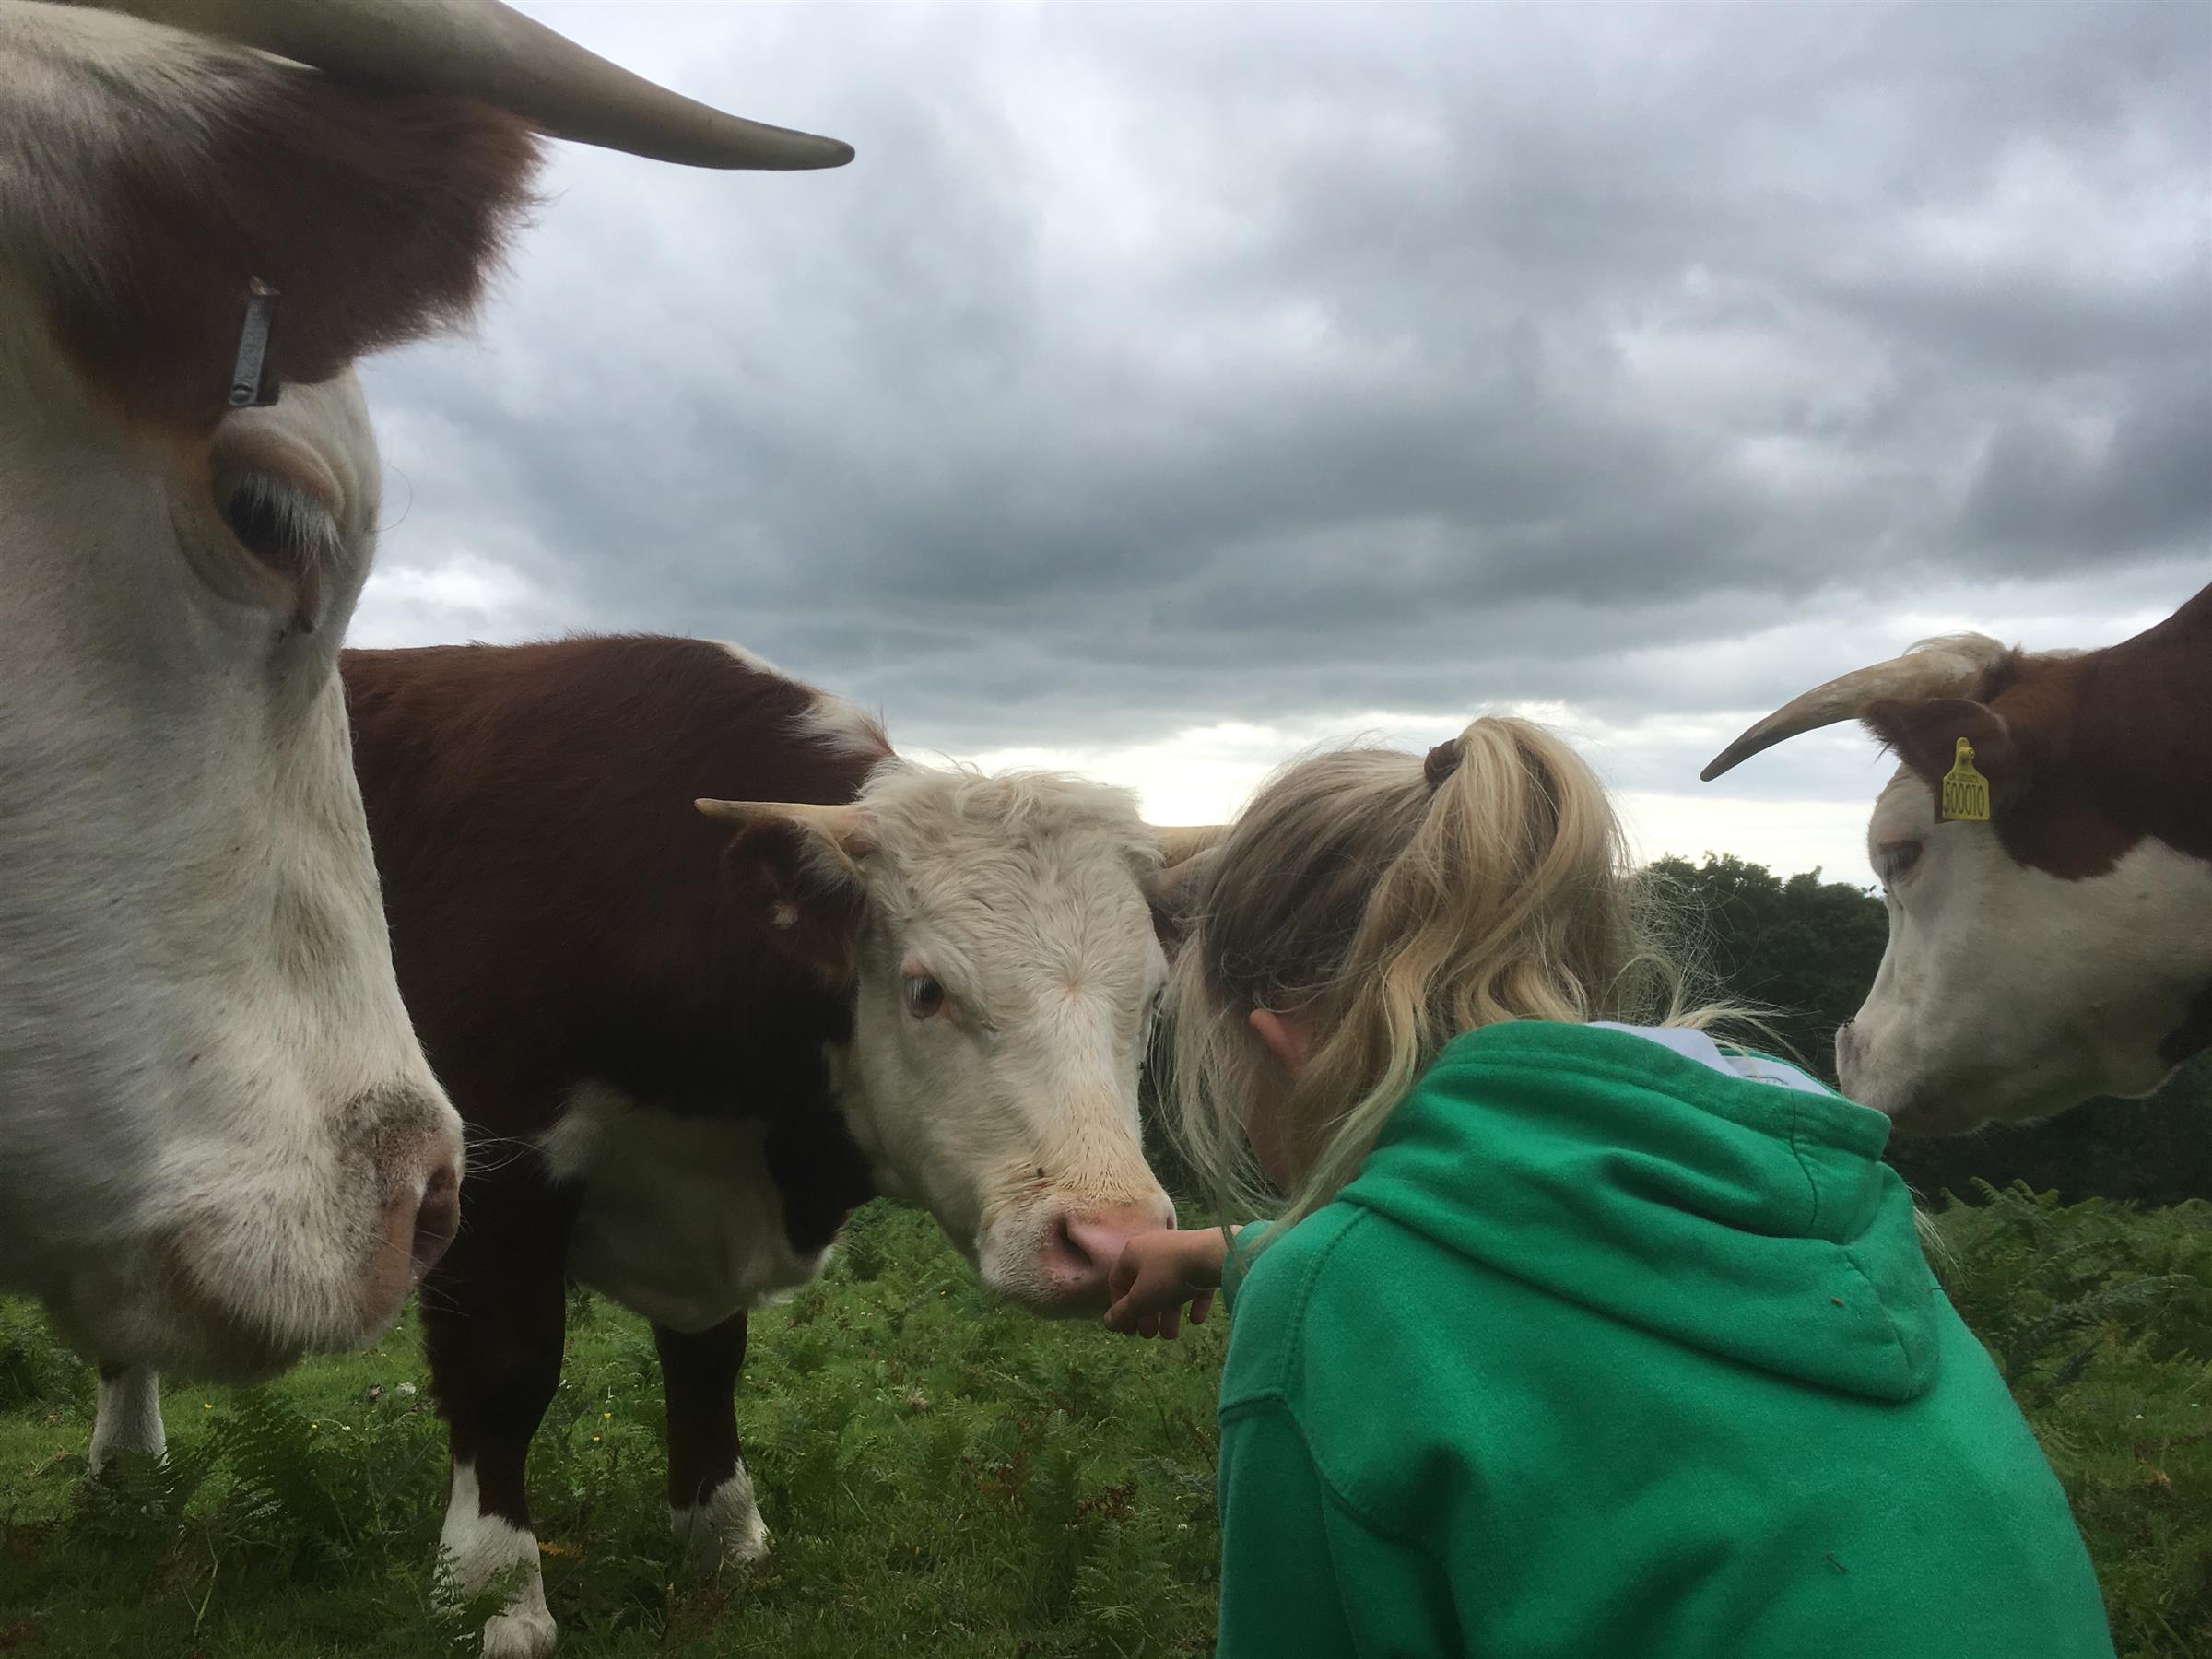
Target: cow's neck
2128,749
2194,1035
849,1094
2154,725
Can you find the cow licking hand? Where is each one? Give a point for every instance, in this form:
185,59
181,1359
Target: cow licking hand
710,965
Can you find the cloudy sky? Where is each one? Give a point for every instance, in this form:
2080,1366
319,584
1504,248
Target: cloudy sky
1167,387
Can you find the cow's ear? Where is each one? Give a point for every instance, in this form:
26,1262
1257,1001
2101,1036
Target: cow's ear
1924,733
794,871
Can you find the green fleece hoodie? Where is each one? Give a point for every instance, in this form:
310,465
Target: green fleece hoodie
1610,1352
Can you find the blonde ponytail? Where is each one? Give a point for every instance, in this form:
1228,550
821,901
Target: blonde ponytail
1395,902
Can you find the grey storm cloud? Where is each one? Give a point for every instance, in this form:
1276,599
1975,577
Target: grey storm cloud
1159,365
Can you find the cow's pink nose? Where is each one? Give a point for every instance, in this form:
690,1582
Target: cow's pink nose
1081,1246
438,1216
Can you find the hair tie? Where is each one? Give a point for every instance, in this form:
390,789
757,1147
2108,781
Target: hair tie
1442,761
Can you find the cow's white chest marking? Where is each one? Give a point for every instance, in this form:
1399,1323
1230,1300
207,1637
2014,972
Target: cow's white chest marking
681,1222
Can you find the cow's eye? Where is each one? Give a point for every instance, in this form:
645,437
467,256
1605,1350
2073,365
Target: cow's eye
925,996
1892,859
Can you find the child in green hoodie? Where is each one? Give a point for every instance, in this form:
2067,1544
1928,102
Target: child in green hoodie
1579,1337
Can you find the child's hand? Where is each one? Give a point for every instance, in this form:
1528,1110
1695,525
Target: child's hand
1157,1274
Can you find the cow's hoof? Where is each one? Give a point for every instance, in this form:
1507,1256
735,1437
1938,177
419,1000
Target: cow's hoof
723,1531
521,1632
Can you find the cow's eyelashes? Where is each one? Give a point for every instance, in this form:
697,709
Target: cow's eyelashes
1892,859
285,528
924,997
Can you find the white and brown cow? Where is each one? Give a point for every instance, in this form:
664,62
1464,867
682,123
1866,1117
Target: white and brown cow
219,1141
717,1032
2062,949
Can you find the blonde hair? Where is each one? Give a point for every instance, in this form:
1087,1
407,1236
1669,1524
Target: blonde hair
1394,903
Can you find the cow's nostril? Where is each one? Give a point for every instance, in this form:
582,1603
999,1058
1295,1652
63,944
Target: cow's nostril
1067,1249
437,1218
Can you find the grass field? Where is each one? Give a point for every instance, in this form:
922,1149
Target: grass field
941,1476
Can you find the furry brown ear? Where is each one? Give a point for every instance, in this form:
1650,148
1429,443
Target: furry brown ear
797,883
1924,733
375,217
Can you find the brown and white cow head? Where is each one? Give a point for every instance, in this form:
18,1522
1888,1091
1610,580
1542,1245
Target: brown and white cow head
2063,948
219,1141
999,940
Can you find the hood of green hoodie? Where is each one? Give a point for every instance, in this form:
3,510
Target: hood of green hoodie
1737,1217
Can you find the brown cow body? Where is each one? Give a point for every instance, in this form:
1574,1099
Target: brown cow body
642,1028
534,972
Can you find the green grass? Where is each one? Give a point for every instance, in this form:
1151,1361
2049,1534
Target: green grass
2100,1315
942,1475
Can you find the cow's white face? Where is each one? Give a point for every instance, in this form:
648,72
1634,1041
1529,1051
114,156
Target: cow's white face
1006,975
219,1142
219,1128
2010,993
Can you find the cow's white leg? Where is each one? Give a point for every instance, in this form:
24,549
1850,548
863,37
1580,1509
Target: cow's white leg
724,1529
128,1416
481,1546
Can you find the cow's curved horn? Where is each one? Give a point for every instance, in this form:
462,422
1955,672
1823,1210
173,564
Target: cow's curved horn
1181,841
484,49
1165,886
839,823
1956,666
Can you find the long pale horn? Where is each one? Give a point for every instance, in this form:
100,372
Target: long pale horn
839,823
1956,666
484,49
1164,886
1180,841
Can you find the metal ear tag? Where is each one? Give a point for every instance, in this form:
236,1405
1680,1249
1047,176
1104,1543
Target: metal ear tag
252,387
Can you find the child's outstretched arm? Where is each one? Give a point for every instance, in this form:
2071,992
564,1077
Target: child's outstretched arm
1157,1274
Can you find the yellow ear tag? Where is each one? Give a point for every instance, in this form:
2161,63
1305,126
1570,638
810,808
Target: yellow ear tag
1965,791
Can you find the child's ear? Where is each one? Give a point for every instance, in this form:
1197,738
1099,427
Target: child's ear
1288,1036
793,868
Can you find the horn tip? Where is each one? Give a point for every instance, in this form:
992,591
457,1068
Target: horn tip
727,144
792,152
